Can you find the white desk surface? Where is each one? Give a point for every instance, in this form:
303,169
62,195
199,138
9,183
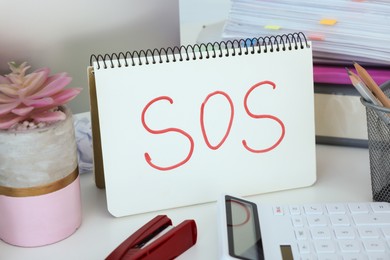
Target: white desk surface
343,176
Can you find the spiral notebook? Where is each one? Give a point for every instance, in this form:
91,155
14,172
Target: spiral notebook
179,126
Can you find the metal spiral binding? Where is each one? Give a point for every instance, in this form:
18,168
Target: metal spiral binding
193,52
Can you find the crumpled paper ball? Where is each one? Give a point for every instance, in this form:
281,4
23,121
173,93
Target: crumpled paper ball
83,132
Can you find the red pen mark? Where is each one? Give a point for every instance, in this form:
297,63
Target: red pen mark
162,131
260,117
215,147
247,214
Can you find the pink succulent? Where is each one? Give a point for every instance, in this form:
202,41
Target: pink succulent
34,96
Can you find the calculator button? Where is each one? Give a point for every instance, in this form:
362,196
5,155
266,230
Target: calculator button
372,219
328,257
278,210
320,233
344,233
313,209
378,256
304,247
324,246
297,221
336,208
386,232
368,232
295,210
301,234
374,245
358,208
380,207
308,257
315,221
339,220
350,246
354,257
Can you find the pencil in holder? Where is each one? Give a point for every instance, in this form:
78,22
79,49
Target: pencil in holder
378,128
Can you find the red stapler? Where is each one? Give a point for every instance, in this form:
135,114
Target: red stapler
168,246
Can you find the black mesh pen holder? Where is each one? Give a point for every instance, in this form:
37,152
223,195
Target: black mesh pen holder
378,128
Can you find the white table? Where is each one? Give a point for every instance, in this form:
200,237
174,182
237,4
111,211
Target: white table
343,176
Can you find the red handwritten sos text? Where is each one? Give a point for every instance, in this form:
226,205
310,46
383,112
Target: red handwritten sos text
203,129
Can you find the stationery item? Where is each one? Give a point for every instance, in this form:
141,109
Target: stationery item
180,125
336,74
323,73
366,93
341,30
254,231
146,244
339,116
370,83
328,21
362,88
378,126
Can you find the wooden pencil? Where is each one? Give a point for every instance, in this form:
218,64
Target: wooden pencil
371,84
363,90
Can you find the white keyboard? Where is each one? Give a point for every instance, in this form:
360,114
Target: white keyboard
329,231
348,231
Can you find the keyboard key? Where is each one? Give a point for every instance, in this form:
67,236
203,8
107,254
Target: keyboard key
371,219
344,233
336,208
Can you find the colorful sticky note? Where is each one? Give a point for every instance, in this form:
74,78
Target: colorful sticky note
316,37
272,27
328,21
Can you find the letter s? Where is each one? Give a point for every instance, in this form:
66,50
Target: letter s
262,117
147,156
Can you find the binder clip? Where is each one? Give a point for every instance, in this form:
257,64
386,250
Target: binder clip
140,245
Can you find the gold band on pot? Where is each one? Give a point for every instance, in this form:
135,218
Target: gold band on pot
42,189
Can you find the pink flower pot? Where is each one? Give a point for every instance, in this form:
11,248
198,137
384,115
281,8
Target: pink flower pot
40,220
39,185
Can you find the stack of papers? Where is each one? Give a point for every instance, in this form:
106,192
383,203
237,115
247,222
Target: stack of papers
341,31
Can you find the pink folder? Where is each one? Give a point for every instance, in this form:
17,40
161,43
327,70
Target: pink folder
338,74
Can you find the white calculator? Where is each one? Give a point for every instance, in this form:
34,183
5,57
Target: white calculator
328,231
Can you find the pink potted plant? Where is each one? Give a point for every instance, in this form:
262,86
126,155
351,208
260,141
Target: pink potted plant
39,183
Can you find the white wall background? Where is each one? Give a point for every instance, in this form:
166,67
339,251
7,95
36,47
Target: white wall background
62,34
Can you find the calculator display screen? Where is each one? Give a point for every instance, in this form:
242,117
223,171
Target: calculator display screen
244,235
